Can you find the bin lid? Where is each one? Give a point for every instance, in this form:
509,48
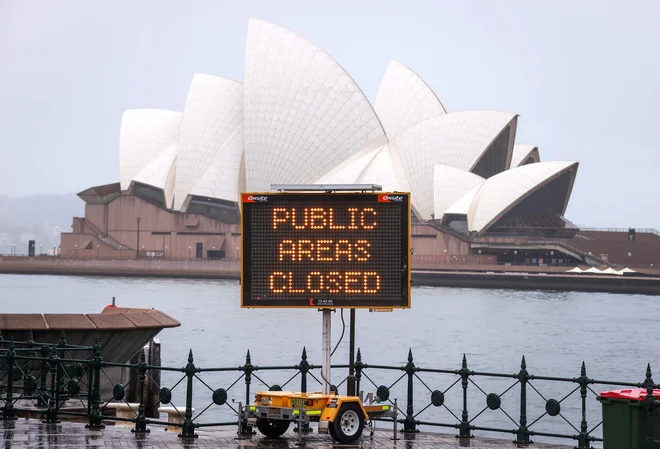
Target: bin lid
637,394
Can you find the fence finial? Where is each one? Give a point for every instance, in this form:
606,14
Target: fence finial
62,339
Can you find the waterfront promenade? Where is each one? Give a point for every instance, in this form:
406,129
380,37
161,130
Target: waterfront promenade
32,434
643,281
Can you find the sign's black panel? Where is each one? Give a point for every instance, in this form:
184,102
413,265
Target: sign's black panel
325,250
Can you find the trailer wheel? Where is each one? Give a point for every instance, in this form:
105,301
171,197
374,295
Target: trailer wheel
331,431
348,424
272,428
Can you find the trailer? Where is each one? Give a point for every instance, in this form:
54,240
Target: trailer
343,417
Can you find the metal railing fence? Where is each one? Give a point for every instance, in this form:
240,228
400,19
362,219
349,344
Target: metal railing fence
64,380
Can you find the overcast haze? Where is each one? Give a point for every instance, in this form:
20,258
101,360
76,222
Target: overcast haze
583,75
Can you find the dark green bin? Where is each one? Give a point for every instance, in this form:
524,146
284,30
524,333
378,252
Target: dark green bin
624,419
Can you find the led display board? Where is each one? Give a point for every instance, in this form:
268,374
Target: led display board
325,250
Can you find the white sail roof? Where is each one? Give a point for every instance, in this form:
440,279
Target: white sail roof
220,179
303,113
458,140
159,173
300,118
404,100
348,171
144,135
501,192
450,185
522,153
462,206
212,117
381,171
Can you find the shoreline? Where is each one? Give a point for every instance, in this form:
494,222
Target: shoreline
483,277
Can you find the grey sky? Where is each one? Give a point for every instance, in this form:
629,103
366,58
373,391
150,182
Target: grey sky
583,75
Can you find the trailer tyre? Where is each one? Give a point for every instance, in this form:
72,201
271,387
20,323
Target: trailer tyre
348,424
272,428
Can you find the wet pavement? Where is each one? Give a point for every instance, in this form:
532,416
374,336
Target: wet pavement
33,434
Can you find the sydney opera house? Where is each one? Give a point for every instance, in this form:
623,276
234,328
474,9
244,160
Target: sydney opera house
298,118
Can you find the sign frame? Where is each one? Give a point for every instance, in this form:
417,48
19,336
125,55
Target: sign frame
320,193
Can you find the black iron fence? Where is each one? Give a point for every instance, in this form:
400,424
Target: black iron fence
59,380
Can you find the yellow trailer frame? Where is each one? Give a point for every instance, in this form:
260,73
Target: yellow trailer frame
343,417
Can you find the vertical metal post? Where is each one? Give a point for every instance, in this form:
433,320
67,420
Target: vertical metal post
188,428
522,435
396,420
409,423
137,248
350,384
358,372
8,412
326,350
649,403
247,369
54,397
140,420
299,424
60,355
43,389
240,431
303,367
583,438
95,416
464,429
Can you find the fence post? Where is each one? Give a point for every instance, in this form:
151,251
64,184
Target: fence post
95,416
30,340
247,369
464,427
358,372
650,404
54,396
188,428
140,420
409,422
61,355
42,397
8,412
522,435
303,367
583,380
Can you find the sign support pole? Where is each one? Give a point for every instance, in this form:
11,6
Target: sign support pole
350,385
326,350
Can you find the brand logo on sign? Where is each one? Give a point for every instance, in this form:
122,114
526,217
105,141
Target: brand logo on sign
390,199
255,199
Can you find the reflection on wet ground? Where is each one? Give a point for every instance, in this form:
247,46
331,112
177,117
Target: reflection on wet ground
33,434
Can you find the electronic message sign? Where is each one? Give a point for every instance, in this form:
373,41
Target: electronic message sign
325,250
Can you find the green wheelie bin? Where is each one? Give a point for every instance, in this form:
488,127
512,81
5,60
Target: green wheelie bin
624,419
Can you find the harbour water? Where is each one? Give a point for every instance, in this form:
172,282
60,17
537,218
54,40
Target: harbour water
613,334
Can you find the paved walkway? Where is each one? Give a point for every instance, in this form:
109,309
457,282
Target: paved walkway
32,434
